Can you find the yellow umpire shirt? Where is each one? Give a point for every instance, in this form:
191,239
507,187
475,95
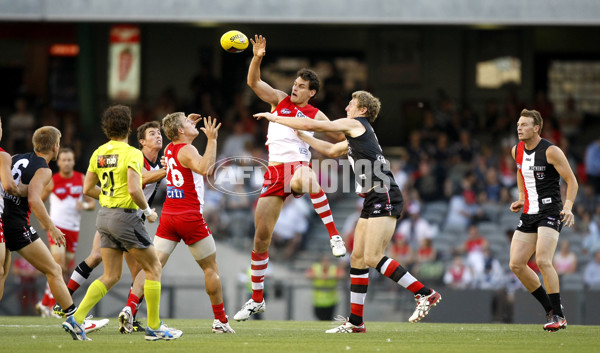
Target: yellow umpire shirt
111,162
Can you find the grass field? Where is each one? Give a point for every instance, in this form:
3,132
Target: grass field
39,335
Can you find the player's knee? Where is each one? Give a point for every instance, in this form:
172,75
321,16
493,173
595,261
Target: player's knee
516,267
543,263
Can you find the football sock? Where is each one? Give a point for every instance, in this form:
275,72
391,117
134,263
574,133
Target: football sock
542,297
132,303
393,270
80,275
555,301
152,294
47,295
258,267
95,292
359,282
321,205
70,310
219,311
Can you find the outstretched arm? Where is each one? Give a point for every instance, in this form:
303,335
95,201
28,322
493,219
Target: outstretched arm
262,89
327,148
342,125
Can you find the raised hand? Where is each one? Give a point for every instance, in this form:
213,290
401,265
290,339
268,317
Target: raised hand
259,45
211,128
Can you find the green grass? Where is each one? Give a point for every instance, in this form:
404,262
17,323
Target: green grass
33,334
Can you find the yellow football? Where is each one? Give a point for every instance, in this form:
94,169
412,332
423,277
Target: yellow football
234,41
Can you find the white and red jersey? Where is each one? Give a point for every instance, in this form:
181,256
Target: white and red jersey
541,181
282,142
185,189
63,201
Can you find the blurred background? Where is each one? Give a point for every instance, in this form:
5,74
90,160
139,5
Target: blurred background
452,76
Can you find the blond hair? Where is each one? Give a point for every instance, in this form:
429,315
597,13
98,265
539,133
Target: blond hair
45,138
366,100
171,125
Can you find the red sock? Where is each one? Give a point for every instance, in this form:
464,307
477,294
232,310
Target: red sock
47,299
321,205
132,303
258,267
219,311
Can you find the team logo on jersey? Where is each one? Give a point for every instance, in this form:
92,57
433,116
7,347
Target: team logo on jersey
519,166
174,193
300,115
108,160
286,111
388,207
540,175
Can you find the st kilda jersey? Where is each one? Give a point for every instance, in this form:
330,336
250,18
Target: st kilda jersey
371,169
541,182
24,167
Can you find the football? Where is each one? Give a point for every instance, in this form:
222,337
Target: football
234,41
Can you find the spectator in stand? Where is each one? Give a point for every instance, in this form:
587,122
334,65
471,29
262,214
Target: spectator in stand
458,275
464,209
592,164
401,251
290,228
414,228
427,264
570,120
238,143
591,242
565,260
591,274
25,277
21,125
473,248
428,179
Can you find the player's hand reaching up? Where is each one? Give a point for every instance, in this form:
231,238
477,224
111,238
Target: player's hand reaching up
259,45
211,128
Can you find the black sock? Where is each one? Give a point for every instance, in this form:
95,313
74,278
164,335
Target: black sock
424,291
556,307
542,297
70,310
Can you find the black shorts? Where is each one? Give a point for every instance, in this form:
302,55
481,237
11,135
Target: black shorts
18,235
529,223
382,204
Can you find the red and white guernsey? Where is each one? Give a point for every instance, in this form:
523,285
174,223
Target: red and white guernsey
185,189
63,201
541,182
282,142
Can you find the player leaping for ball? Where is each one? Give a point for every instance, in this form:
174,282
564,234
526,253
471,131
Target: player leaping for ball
289,171
381,209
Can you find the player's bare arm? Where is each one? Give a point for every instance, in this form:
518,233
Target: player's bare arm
36,188
262,89
5,175
191,158
47,190
152,176
90,187
518,205
350,127
137,194
332,150
337,136
557,158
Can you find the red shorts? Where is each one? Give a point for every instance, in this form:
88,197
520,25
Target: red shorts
1,232
189,227
71,239
278,177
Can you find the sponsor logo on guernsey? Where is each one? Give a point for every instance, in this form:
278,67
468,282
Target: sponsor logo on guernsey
300,115
108,160
519,166
286,111
537,168
547,200
303,151
377,206
174,193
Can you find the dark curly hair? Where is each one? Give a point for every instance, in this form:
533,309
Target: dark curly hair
313,79
116,122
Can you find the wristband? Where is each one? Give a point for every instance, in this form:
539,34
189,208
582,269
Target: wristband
147,211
